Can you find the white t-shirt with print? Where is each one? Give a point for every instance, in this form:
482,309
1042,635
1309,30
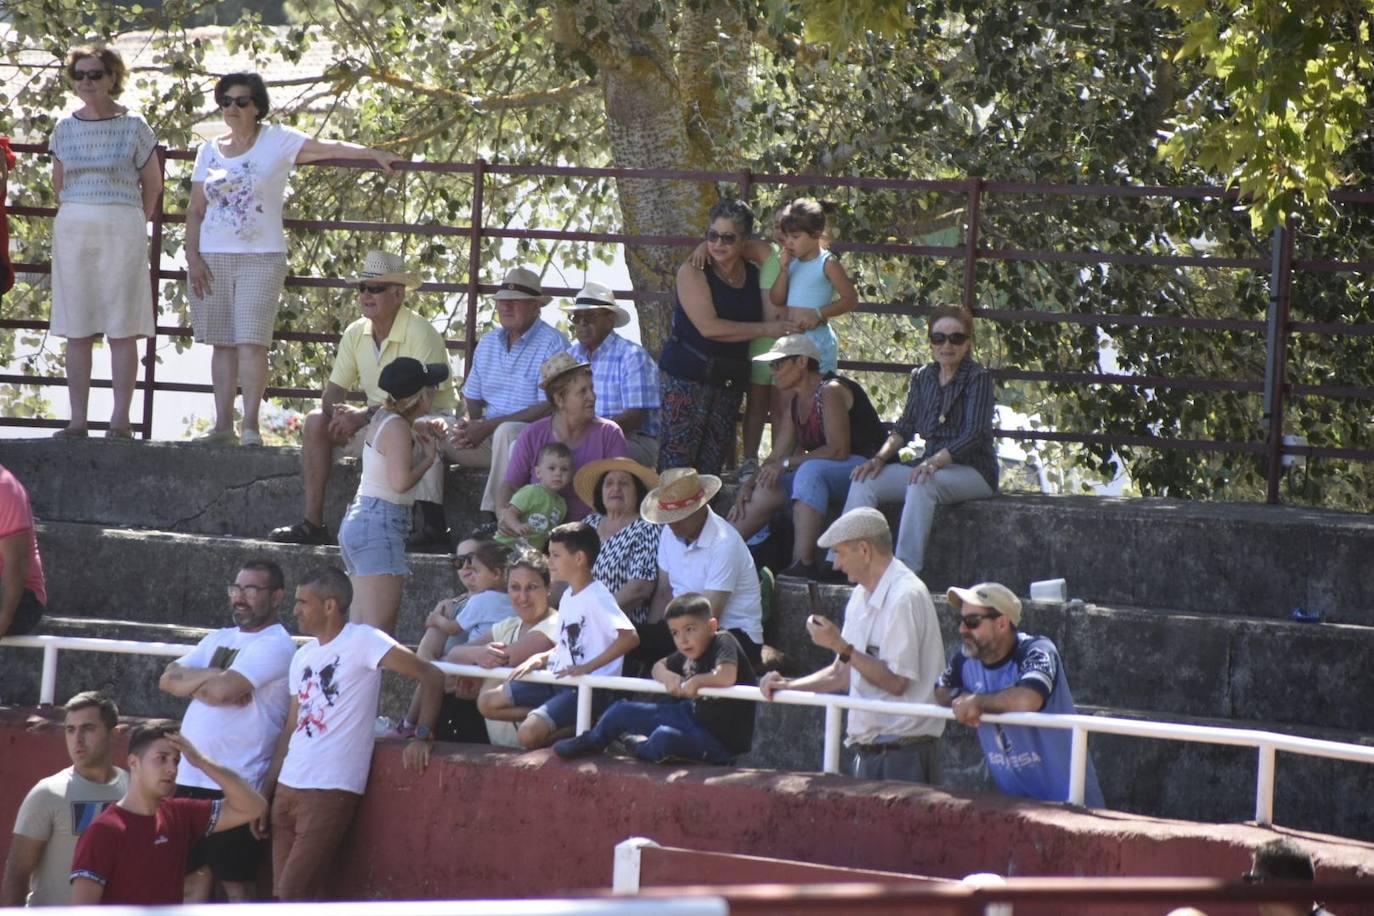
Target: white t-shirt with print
587,624
241,738
336,686
244,193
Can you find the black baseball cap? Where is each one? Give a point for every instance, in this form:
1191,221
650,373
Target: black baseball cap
405,376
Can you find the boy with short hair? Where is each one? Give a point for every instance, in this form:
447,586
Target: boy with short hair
594,635
537,508
694,727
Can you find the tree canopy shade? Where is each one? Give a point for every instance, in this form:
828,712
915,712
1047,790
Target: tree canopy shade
1111,92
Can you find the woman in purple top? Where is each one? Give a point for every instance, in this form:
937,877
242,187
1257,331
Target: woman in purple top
567,384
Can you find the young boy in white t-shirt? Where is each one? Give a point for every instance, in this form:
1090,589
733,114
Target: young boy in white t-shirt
594,635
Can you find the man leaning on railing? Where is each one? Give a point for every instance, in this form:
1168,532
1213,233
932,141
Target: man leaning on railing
890,648
1000,669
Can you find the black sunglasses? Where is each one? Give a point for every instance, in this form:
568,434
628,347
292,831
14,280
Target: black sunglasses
242,101
375,288
958,338
462,559
92,75
724,238
974,621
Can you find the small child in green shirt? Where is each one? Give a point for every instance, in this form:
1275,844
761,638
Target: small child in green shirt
536,508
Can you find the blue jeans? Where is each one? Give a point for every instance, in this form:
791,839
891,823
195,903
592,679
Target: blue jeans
372,538
672,730
823,482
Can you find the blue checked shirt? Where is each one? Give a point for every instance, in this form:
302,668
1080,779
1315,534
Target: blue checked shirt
625,377
507,378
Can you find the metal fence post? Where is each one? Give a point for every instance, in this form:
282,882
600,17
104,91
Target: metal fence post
1264,785
155,278
47,688
1276,354
584,708
479,173
834,718
975,197
746,184
1078,766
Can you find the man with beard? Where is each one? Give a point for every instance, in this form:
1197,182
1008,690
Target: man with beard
236,681
1000,669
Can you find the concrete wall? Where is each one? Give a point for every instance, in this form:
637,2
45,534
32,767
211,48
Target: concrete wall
496,823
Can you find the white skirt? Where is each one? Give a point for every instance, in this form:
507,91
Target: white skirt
100,272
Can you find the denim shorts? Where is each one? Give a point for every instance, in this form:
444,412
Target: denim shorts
372,538
555,705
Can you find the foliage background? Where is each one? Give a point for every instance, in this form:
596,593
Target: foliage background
1266,95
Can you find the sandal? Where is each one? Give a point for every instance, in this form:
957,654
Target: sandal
119,432
69,433
218,437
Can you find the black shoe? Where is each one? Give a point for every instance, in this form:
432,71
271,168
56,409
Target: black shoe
800,570
580,746
303,532
429,540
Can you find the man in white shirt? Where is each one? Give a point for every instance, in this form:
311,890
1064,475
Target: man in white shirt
60,807
890,649
324,753
236,681
699,551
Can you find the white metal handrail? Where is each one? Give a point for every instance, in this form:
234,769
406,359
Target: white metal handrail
1266,743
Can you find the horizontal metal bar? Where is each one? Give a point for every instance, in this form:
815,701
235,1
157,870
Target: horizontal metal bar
1104,257
1187,445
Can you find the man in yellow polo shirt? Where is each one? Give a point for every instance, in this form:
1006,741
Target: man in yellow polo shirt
387,330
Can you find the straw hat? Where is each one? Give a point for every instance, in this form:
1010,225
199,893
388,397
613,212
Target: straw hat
385,267
559,364
588,477
680,492
598,296
522,283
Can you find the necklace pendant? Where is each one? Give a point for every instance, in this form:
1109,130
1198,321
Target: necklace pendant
942,419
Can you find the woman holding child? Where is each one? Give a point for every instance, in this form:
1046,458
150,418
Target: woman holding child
567,384
705,363
827,426
628,561
396,455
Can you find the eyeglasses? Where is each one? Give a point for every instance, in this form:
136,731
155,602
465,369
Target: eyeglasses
958,338
584,317
242,101
374,289
974,621
724,238
251,592
463,559
92,75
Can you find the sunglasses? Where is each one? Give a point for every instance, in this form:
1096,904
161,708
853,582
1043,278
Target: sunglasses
242,101
92,75
583,317
462,559
974,621
958,338
724,238
374,288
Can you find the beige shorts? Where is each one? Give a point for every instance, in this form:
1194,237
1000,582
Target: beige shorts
245,294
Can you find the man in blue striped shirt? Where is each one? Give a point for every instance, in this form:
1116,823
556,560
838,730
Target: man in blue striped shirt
624,375
501,393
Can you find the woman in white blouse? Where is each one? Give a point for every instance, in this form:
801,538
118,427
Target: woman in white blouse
235,244
106,176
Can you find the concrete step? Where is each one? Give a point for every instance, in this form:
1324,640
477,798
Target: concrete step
1155,778
1205,558
1228,667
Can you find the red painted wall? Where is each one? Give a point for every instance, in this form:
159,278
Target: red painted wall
486,822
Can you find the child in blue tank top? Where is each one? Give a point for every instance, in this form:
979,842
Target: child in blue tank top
811,277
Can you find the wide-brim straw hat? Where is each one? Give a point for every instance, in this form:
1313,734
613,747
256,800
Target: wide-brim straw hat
680,492
588,477
522,283
559,364
385,267
598,296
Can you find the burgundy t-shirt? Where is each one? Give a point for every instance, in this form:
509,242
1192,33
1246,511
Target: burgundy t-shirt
141,858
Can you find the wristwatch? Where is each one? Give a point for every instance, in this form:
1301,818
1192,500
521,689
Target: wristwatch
423,733
844,656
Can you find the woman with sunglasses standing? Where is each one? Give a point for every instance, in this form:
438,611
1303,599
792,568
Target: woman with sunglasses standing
107,180
235,244
951,406
705,365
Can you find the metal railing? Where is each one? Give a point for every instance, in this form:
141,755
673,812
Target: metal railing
1275,387
1267,744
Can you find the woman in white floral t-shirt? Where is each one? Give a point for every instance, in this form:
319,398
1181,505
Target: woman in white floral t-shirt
235,244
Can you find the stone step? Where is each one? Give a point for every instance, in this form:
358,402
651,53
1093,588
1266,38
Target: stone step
1155,778
1206,558
1227,667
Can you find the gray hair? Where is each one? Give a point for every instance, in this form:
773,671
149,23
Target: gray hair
330,582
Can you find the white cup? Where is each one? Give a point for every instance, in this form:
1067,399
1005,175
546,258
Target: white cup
1049,590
